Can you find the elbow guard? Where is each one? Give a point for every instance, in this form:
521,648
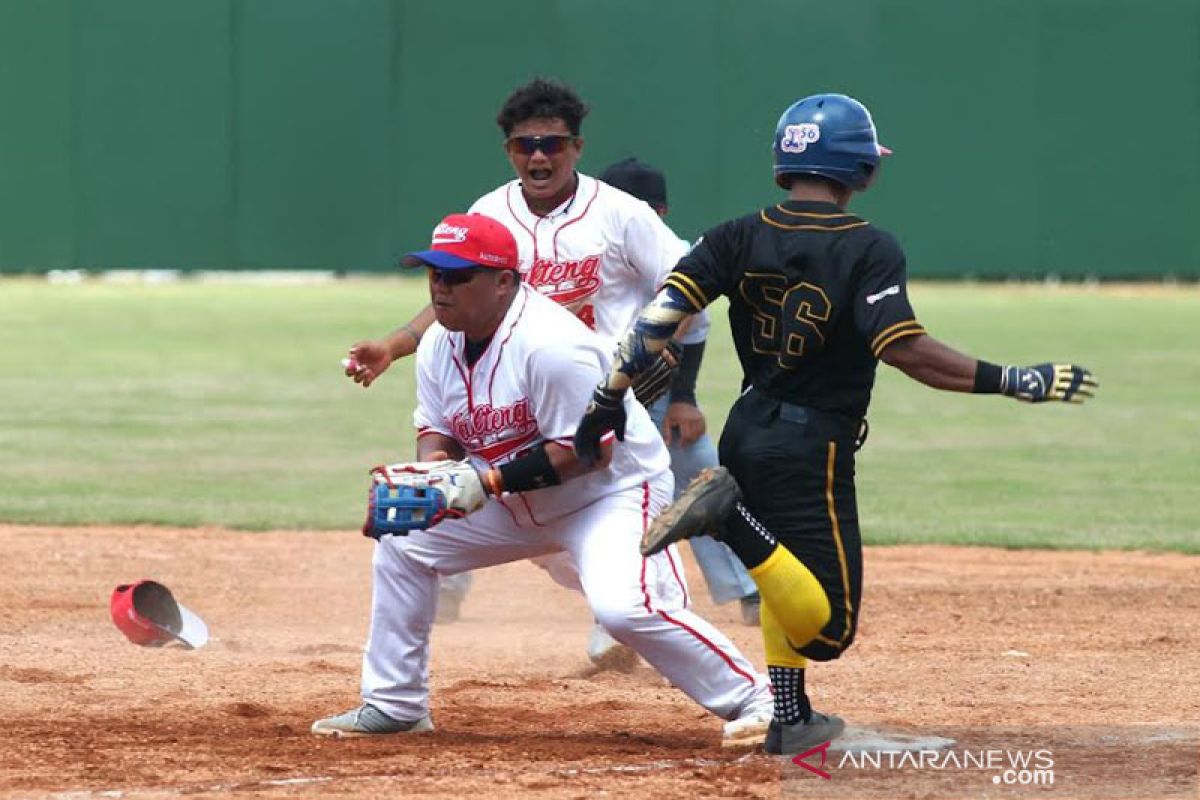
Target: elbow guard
649,334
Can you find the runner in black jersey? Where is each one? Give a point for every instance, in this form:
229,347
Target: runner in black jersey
817,297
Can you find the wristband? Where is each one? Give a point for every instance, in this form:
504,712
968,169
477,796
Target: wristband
531,471
988,378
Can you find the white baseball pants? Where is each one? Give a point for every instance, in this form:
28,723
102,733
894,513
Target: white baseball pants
642,602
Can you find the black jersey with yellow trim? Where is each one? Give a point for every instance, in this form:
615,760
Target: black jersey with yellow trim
815,296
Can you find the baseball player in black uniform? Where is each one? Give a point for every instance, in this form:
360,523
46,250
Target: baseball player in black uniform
817,297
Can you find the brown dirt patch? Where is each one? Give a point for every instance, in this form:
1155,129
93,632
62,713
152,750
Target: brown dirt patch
951,639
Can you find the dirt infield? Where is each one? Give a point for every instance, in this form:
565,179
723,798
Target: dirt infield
952,639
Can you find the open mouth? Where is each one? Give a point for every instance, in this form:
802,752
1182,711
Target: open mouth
540,175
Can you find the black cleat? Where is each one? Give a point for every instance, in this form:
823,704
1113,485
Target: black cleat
800,737
699,511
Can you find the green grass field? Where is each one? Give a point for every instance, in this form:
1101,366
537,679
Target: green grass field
191,404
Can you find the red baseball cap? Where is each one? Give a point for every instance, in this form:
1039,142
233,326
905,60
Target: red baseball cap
461,241
147,613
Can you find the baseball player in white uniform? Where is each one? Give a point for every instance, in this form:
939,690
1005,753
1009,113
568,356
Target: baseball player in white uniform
502,380
592,248
598,254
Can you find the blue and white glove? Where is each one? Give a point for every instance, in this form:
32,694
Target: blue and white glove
415,495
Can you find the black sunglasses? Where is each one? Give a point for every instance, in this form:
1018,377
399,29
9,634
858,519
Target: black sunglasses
551,145
453,277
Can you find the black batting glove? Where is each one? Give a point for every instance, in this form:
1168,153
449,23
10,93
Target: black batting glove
605,413
1068,383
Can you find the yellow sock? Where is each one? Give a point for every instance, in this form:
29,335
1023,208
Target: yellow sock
779,651
793,596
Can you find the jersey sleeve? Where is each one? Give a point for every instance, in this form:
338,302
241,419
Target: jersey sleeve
882,312
651,247
561,379
428,416
707,271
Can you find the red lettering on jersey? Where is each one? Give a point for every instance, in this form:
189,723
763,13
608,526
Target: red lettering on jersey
484,426
565,282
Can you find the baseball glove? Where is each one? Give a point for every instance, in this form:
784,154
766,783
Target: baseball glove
656,380
416,495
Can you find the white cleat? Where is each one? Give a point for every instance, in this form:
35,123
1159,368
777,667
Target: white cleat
606,653
750,728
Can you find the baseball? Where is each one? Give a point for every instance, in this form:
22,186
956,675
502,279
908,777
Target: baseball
350,364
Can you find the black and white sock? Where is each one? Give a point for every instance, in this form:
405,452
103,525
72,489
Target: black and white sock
748,538
791,701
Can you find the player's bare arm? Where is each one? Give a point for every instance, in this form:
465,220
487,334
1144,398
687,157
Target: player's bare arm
928,361
686,420
568,465
369,359
434,446
684,417
925,359
637,352
548,465
442,465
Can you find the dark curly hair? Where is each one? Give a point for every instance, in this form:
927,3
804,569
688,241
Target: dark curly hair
542,98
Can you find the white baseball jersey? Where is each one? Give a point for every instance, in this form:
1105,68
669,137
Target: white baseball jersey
530,385
603,253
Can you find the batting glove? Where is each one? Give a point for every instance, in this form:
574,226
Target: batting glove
605,413
1068,383
654,382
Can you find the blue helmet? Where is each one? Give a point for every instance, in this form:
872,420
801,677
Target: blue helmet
830,135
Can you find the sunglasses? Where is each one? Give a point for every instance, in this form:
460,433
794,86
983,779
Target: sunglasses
453,277
551,145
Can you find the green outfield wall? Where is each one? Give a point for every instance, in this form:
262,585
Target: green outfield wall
1030,136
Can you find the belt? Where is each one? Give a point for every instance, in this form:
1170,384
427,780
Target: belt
816,421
